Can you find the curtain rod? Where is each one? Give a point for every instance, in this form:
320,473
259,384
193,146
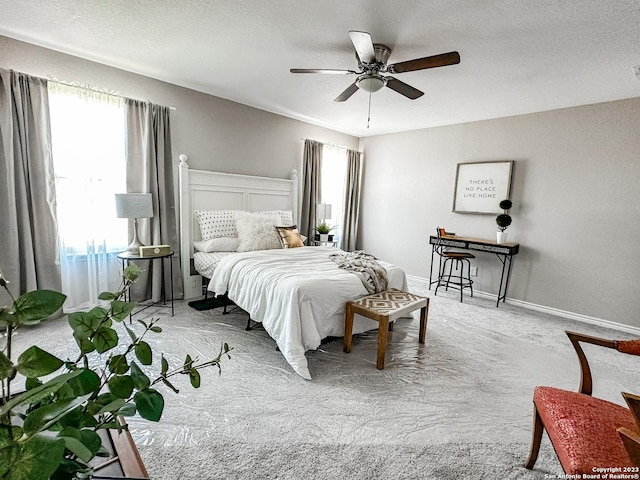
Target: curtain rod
329,144
91,88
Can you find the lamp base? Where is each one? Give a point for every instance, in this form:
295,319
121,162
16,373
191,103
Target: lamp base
134,246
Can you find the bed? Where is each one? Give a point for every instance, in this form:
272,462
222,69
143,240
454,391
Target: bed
298,294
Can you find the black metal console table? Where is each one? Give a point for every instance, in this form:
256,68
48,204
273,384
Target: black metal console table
504,252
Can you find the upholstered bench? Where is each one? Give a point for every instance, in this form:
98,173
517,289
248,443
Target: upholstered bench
385,307
588,433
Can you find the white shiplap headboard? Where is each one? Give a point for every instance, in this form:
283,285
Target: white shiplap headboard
204,190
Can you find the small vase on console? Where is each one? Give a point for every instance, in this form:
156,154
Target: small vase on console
502,237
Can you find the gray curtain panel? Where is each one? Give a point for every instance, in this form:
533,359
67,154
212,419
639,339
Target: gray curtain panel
311,166
28,227
352,191
150,170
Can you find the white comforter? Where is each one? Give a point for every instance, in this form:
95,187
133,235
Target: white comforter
298,294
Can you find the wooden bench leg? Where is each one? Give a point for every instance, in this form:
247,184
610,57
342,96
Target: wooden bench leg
536,438
348,327
424,312
383,332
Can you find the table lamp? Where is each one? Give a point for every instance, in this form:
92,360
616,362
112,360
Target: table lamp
323,211
134,205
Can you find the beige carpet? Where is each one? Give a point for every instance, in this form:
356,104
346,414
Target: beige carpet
457,407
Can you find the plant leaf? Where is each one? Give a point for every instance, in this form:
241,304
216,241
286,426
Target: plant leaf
118,364
35,362
84,344
121,310
132,334
75,446
132,272
84,324
188,362
140,379
103,399
36,459
112,407
165,365
83,443
143,353
37,305
129,410
156,329
31,383
194,378
42,418
36,394
121,386
150,404
7,370
6,318
87,382
105,339
107,296
69,468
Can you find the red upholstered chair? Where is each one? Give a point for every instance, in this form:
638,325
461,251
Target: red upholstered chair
587,432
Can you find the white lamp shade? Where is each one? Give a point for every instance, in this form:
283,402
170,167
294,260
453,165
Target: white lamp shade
134,205
324,211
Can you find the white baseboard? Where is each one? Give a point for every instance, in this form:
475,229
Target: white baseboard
553,311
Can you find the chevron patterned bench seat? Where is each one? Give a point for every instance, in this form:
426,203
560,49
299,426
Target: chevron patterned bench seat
385,307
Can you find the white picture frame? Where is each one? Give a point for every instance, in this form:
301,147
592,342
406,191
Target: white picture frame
481,186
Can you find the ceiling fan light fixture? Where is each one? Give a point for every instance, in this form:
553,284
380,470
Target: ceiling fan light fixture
371,83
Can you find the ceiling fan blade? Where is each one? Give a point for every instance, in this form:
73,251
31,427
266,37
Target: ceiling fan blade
450,58
363,45
351,89
403,89
329,71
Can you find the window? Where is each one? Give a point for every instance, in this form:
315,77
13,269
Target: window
88,148
333,179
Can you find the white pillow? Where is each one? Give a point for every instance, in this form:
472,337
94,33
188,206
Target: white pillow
256,231
286,216
222,244
216,223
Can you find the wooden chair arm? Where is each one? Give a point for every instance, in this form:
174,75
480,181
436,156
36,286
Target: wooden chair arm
586,382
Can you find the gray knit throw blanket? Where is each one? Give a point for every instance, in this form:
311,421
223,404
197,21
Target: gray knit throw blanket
365,266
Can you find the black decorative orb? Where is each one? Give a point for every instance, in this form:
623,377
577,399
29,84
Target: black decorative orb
503,220
505,205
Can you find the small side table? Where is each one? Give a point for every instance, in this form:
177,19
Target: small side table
126,258
320,243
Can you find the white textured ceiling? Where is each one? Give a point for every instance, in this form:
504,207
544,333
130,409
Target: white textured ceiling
517,56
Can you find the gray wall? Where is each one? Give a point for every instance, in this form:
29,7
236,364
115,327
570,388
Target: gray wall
575,192
576,196
216,134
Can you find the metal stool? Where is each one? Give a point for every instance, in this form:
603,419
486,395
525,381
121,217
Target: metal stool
459,281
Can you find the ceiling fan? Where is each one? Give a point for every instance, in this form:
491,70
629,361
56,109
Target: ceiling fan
372,63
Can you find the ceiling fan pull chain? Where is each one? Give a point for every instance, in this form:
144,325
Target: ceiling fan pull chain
369,114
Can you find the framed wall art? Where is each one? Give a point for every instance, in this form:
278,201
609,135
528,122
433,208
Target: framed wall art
481,186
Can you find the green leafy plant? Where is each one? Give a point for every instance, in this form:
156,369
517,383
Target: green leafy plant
504,219
49,430
324,228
